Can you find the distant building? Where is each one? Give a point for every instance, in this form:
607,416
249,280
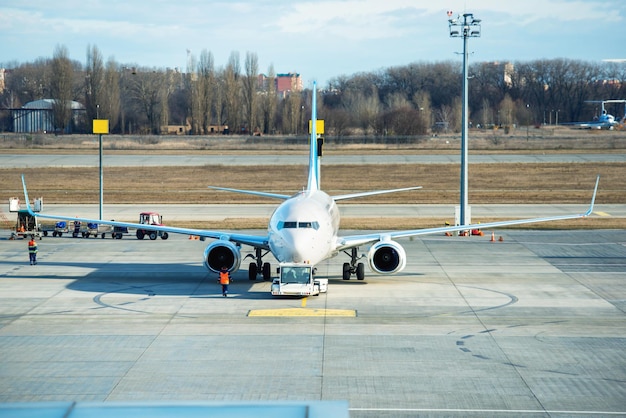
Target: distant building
37,116
286,83
506,71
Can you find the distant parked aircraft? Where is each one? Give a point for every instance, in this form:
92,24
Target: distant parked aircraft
605,120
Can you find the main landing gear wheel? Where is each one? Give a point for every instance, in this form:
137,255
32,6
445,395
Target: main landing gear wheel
346,271
258,267
252,271
359,271
267,271
353,267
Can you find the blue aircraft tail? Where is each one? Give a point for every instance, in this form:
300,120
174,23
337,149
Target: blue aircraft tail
314,168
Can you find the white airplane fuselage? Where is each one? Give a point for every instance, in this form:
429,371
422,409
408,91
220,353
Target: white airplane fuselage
303,229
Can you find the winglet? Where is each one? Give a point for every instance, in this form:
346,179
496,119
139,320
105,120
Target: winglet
30,210
593,198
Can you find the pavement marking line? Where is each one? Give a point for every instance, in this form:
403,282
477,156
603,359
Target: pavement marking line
490,411
601,213
304,302
301,312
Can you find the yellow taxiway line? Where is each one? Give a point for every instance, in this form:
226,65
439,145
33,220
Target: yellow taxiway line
302,312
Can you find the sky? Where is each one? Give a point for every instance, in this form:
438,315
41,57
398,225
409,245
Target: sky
319,40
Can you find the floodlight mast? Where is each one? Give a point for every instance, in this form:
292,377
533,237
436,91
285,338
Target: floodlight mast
468,27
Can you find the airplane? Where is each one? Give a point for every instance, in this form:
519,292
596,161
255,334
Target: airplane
304,229
605,120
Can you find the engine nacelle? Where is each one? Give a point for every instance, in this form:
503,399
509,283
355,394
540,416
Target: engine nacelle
386,257
222,253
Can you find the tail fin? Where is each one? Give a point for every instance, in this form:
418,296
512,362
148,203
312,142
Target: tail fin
314,170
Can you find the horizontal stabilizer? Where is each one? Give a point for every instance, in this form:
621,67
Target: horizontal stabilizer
373,193
252,192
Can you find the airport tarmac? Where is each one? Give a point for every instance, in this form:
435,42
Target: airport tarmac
530,326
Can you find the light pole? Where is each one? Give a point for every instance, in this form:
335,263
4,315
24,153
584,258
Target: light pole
467,27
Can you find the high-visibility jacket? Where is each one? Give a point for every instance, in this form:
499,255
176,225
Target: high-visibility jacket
32,247
224,277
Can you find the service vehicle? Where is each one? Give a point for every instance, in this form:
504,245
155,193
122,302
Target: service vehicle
60,228
26,224
150,218
297,280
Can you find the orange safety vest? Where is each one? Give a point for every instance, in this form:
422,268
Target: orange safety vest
224,277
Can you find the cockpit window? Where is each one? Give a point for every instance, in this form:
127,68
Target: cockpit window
293,225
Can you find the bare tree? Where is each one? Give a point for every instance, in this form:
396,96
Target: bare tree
232,91
363,108
486,114
445,117
291,114
269,103
421,99
250,81
110,103
28,82
61,87
148,91
507,111
206,89
94,81
220,97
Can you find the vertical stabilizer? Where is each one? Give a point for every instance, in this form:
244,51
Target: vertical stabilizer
314,173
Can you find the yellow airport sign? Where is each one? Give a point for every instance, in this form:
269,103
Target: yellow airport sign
100,126
319,126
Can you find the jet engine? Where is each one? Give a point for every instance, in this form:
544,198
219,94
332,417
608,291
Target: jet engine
222,253
386,257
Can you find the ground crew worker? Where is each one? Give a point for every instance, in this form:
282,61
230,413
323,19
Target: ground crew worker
76,229
224,280
32,250
447,234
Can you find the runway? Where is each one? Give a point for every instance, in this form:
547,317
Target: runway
530,326
230,159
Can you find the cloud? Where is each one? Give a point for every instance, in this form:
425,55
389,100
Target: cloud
352,19
376,19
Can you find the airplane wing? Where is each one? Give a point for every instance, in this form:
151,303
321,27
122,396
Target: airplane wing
252,240
351,241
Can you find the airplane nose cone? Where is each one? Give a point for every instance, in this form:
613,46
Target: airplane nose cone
296,248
